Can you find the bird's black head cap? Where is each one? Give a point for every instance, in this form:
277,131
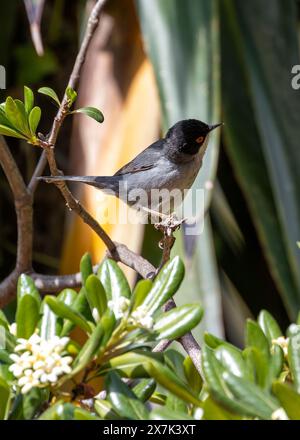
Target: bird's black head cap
187,136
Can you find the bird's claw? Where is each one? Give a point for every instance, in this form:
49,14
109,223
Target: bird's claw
169,225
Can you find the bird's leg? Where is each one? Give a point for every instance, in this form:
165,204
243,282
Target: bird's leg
168,226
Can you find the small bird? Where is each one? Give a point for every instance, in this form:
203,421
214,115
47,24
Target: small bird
171,163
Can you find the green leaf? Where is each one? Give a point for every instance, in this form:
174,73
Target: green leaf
256,338
69,297
15,112
164,413
80,305
5,396
28,307
113,280
49,323
96,296
86,267
144,389
32,402
92,112
49,92
105,410
289,399
7,131
71,94
294,359
34,119
269,326
140,364
140,292
232,359
66,312
28,99
214,411
192,376
82,414
178,321
123,400
58,411
165,285
256,401
89,350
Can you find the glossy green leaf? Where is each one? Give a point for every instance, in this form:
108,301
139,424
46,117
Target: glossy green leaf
82,414
257,402
141,364
32,402
28,307
92,112
34,119
49,92
113,280
89,349
123,399
66,312
71,94
58,411
96,296
49,326
68,296
192,375
144,389
294,359
214,411
79,305
15,112
231,358
269,326
289,399
7,131
28,99
165,285
5,396
105,410
164,413
140,292
255,337
178,321
86,267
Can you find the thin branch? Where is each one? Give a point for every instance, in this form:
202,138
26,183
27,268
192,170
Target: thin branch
73,80
23,208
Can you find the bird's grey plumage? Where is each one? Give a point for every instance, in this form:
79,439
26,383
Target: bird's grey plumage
170,163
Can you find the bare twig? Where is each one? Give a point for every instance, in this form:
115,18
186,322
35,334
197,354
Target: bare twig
73,80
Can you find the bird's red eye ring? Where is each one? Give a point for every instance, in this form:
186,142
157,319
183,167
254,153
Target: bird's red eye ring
200,139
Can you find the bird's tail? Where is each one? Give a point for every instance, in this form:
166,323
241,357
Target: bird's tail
109,183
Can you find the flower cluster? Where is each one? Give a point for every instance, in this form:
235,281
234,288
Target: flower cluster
141,318
283,343
119,306
39,362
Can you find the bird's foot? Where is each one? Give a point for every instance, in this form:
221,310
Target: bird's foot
168,226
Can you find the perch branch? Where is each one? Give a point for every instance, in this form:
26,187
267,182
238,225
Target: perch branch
73,80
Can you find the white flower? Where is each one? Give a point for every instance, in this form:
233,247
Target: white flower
279,414
198,413
141,318
119,306
38,362
283,343
13,328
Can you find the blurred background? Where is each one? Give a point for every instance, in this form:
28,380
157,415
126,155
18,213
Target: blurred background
150,64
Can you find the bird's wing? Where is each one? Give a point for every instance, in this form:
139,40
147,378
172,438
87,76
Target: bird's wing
146,160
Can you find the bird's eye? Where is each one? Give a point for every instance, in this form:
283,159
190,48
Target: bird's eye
200,139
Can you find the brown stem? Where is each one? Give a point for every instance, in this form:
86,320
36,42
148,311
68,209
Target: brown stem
73,80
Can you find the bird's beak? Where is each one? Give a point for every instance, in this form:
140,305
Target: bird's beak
213,126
